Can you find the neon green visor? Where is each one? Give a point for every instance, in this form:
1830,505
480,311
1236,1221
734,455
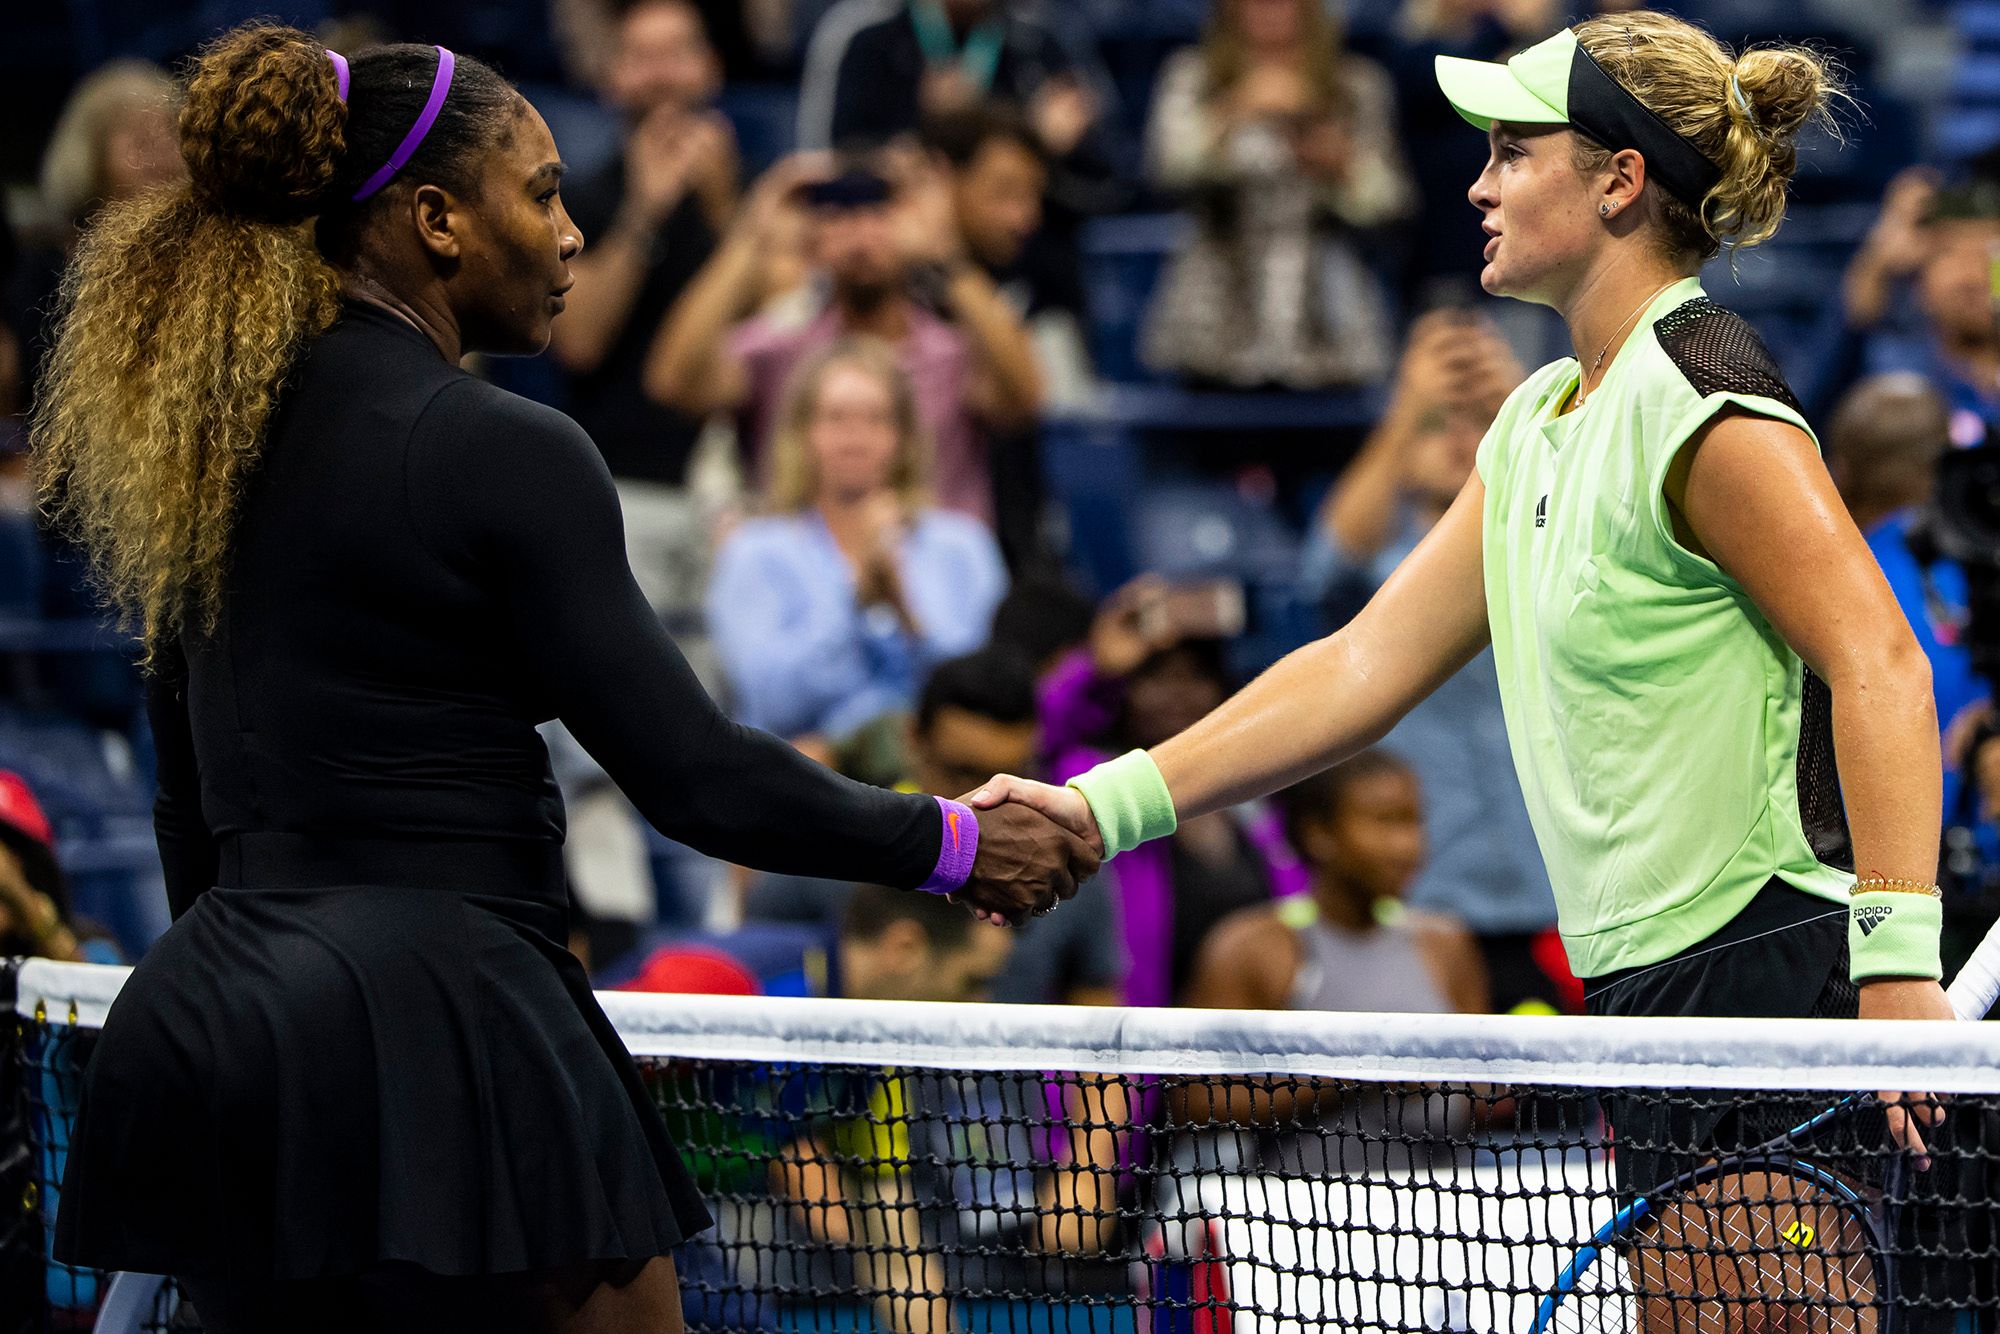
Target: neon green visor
1556,82
1530,89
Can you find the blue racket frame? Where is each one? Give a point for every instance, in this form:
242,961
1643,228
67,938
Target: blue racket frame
1770,1156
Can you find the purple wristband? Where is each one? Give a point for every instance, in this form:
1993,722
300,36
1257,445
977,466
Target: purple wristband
955,853
339,72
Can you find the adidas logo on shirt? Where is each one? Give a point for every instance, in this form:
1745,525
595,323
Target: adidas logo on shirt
1870,918
1542,512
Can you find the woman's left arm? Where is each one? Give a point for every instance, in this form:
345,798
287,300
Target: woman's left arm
1757,500
1751,494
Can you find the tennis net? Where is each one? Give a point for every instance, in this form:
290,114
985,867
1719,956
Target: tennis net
921,1168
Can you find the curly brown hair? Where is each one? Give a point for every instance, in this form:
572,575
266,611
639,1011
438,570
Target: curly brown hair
184,310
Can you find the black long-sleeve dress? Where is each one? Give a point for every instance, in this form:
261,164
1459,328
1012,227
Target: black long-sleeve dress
363,1039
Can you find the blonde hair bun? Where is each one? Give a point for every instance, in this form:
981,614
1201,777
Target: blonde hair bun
1744,113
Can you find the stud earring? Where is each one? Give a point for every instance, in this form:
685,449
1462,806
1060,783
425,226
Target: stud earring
1604,210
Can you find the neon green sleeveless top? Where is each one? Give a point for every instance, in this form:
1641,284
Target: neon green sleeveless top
1654,715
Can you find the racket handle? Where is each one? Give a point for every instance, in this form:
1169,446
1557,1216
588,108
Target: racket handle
1977,985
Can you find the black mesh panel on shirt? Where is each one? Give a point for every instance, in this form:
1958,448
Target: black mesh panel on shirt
1719,353
1821,813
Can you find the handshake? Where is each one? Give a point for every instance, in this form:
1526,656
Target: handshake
1037,845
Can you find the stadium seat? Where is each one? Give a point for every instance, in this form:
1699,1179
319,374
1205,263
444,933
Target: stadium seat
585,131
1978,79
1978,22
1963,133
22,572
766,119
1122,259
1199,530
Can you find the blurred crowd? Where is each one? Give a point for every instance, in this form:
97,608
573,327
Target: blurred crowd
880,301
841,332
836,367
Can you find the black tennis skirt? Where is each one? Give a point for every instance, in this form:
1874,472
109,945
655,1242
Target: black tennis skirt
1783,957
304,1082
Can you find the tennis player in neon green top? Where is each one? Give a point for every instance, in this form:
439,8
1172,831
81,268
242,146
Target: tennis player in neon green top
1687,625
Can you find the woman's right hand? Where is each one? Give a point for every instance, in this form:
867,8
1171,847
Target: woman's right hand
1064,805
1026,865
1909,1112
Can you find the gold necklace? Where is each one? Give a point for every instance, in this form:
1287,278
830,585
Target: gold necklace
1576,399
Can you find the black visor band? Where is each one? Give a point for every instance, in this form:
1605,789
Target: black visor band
1602,108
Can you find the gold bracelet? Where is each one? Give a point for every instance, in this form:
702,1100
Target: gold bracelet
1884,884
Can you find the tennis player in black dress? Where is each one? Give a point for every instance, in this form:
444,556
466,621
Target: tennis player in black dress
360,1084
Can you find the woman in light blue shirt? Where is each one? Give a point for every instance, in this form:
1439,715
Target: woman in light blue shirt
829,610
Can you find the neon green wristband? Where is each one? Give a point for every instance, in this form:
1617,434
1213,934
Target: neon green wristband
1890,934
1130,801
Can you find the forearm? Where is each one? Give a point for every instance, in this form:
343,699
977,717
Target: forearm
903,1269
811,1184
1317,706
1866,290
1000,343
1360,511
733,792
1885,735
1264,1101
682,366
608,278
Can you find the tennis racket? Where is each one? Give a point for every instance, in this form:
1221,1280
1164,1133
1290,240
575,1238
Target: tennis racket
1765,1239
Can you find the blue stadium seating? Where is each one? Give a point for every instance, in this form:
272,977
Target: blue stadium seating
98,795
23,572
766,118
1122,260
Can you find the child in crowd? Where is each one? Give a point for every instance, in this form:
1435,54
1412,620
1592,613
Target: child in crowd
1350,944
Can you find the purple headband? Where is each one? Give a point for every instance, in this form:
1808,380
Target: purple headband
440,89
339,72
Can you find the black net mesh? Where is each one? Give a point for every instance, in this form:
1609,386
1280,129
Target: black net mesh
859,1196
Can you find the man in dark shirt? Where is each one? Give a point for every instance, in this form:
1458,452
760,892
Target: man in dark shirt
877,67
651,216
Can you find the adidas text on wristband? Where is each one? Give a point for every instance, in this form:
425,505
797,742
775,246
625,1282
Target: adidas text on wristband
1891,934
1129,800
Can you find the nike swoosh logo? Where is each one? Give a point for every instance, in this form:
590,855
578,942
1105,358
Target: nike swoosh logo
951,819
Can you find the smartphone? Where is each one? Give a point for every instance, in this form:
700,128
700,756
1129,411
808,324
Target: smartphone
1204,609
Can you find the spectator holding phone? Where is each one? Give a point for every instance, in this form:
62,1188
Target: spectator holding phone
651,216
1919,295
875,70
1154,662
998,172
830,610
872,239
1485,866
